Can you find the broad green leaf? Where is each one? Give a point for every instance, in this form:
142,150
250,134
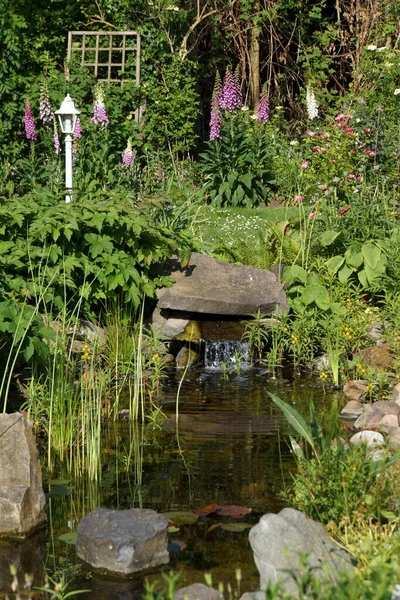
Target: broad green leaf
371,254
344,273
334,263
362,277
354,259
328,237
294,419
316,293
294,273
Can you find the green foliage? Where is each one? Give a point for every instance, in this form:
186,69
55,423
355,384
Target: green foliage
94,249
334,483
236,167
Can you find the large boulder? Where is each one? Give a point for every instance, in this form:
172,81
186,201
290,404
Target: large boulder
209,286
279,542
123,541
22,499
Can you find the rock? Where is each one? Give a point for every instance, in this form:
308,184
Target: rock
370,418
378,357
123,541
375,332
90,332
388,423
395,394
371,439
355,390
322,363
394,439
22,499
253,596
186,357
387,407
198,591
207,285
353,409
279,541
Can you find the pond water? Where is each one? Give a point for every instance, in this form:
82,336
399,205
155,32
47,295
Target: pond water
229,448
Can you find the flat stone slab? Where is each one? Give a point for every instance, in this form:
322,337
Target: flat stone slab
207,285
198,591
123,541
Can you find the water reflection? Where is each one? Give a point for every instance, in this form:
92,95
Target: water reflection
227,448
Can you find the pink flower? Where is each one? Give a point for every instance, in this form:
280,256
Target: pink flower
310,133
78,128
263,107
351,176
322,149
99,110
311,215
305,164
231,96
216,116
127,156
56,139
367,130
333,161
370,152
324,189
30,127
298,198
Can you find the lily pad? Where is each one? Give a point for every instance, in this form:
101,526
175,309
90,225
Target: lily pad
235,527
224,510
181,517
173,529
69,538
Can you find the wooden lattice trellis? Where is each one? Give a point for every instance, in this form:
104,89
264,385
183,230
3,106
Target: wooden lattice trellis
109,54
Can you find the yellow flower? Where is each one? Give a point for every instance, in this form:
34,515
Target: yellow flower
323,376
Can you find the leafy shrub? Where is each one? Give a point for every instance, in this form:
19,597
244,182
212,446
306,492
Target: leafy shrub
93,250
237,167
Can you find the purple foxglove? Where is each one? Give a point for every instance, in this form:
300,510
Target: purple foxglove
30,127
78,129
56,139
46,114
263,107
216,116
99,109
231,96
127,156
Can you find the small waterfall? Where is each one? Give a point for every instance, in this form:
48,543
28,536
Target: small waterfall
226,354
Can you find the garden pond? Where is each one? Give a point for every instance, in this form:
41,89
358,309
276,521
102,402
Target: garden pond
230,448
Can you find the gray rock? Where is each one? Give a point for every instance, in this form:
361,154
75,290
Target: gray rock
207,285
123,541
253,596
388,423
394,439
371,439
387,407
370,419
353,409
355,390
186,357
198,591
279,541
22,499
395,394
322,363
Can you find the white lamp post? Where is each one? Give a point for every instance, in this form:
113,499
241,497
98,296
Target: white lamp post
67,115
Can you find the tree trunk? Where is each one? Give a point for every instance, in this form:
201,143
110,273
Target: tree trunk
254,59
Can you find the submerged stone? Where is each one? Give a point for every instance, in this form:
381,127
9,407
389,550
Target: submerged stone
123,541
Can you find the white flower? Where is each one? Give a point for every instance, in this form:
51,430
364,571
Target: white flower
245,108
381,49
293,143
397,91
254,116
372,47
312,106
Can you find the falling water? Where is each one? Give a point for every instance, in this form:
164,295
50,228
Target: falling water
228,354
